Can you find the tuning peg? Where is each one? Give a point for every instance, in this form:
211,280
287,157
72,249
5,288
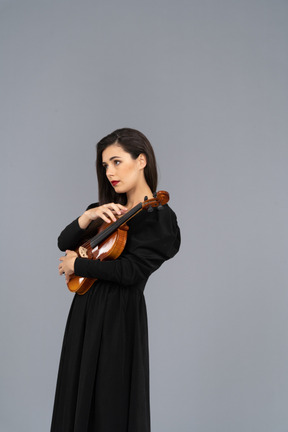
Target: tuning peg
146,198
155,194
150,209
160,207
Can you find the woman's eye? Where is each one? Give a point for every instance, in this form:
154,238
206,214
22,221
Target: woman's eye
117,162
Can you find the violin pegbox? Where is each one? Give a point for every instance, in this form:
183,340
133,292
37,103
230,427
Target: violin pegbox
159,199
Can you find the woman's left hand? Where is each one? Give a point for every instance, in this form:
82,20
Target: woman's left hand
66,265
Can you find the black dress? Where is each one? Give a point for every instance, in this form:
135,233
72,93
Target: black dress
103,378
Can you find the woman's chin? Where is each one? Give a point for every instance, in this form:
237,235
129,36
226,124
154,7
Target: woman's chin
119,189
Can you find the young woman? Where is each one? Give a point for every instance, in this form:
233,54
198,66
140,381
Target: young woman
103,379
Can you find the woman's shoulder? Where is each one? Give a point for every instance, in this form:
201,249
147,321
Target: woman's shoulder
160,222
157,230
168,212
160,215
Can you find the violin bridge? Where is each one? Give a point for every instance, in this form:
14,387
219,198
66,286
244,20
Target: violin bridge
83,252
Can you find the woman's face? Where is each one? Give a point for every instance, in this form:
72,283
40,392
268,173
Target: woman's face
123,172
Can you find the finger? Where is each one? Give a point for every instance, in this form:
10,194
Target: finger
120,209
94,213
104,218
107,215
100,214
115,208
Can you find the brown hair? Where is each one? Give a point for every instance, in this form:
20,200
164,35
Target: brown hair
135,143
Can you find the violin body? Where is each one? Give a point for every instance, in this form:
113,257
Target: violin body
110,240
109,249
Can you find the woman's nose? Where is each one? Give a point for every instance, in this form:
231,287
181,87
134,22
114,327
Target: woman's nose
109,171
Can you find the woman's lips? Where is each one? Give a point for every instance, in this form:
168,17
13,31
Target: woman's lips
114,182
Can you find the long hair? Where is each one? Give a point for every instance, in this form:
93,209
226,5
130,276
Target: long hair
134,142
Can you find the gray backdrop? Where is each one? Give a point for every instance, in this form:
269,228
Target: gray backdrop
206,81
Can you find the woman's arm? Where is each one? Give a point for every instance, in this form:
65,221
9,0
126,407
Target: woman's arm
72,235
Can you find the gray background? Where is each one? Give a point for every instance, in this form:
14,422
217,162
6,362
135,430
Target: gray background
206,81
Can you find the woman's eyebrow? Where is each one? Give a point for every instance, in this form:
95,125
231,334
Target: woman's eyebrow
113,157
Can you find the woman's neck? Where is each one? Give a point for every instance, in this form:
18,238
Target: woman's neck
134,197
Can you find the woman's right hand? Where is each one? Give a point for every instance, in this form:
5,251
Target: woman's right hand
106,212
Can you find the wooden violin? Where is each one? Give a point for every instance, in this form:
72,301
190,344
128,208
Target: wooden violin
110,240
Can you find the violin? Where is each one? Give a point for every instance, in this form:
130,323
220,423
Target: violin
110,240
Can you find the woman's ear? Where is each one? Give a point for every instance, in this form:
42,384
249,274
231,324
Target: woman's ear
142,160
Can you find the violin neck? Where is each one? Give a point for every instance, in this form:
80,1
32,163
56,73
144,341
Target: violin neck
94,241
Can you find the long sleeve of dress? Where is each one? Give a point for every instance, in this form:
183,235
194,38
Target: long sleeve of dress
152,239
72,235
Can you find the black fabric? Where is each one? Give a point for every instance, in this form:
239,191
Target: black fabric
103,378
